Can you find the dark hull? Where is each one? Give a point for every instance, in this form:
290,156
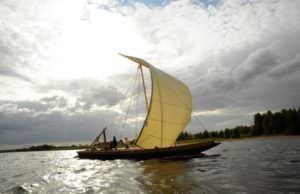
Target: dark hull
142,154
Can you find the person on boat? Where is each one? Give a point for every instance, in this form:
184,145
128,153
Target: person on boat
126,143
114,143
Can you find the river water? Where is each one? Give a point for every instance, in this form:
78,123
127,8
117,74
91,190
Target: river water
270,165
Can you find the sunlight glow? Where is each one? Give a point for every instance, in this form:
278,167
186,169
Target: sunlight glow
89,48
205,113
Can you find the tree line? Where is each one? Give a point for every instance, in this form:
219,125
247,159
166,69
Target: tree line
286,122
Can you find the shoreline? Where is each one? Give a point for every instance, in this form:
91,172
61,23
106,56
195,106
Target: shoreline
49,147
259,137
236,139
45,147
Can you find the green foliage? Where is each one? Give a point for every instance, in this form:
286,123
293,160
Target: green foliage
257,128
227,133
205,134
278,123
183,136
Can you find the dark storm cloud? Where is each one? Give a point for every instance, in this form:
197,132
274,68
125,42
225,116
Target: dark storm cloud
25,127
103,95
55,118
39,106
261,77
256,64
263,93
288,68
87,91
32,121
31,105
41,121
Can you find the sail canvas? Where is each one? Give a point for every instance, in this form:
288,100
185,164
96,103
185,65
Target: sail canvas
169,111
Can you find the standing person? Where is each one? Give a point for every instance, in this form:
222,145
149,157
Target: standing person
126,143
114,143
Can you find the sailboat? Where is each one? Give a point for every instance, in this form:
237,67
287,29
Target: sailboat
168,113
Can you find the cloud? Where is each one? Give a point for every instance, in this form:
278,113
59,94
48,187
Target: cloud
55,101
290,67
256,64
24,127
8,72
52,119
240,57
7,67
105,95
87,91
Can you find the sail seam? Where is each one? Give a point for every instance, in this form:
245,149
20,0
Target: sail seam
165,121
157,137
172,104
176,92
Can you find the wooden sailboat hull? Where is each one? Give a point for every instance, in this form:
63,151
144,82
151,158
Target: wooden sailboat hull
142,154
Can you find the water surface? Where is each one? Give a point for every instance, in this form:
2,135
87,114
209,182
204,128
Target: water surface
270,165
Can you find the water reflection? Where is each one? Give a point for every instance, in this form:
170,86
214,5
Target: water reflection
164,177
248,166
94,176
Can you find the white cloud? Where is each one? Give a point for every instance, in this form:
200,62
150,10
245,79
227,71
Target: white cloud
237,56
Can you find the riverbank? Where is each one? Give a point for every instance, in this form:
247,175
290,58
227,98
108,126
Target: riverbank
47,147
233,139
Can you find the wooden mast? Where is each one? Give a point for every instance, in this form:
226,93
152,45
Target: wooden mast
144,86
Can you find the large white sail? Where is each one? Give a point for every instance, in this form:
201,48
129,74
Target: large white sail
169,110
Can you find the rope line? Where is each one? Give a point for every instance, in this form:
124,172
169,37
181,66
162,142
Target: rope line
131,97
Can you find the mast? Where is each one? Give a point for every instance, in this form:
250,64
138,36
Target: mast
169,110
144,86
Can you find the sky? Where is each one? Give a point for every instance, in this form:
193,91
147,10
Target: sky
62,79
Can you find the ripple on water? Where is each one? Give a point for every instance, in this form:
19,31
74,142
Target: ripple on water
80,170
242,167
294,161
19,189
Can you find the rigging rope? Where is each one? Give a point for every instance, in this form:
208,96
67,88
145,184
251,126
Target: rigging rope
136,108
131,97
198,120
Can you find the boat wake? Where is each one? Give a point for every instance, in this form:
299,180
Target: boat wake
189,157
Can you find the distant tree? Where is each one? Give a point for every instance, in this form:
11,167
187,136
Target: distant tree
243,130
291,122
227,133
257,128
298,121
250,133
235,133
205,134
221,134
267,123
278,123
183,136
286,116
198,135
213,134
284,122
